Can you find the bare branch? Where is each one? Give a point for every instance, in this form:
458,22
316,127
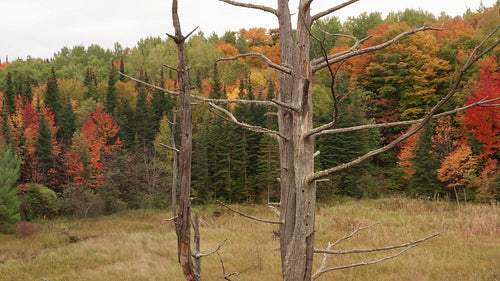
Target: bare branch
356,44
200,255
171,67
357,251
333,74
148,84
171,219
319,273
248,216
169,147
343,55
482,103
251,6
271,64
275,210
356,231
226,276
231,118
331,10
286,105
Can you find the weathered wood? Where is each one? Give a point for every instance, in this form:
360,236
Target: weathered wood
185,154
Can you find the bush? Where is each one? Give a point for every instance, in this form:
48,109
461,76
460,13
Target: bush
25,228
82,203
38,201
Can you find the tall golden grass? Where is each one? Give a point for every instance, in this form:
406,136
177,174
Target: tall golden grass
140,245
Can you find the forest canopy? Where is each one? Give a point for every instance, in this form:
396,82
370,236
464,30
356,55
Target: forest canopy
90,138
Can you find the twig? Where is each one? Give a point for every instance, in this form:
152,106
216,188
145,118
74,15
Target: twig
231,118
319,273
356,231
226,276
148,84
271,64
251,6
247,216
357,251
169,147
200,255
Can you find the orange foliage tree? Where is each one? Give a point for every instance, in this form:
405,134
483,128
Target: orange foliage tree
458,168
97,138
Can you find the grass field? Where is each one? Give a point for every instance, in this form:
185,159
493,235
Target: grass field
140,245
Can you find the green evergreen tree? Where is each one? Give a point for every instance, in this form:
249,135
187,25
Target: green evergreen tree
122,70
44,149
67,123
146,128
91,83
28,92
111,96
10,164
424,181
52,98
9,95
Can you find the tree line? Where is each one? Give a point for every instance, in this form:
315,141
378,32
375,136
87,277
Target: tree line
80,138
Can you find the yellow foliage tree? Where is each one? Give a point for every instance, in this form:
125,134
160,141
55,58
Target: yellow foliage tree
458,168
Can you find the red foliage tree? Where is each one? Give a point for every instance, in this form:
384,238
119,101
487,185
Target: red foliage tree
97,138
484,122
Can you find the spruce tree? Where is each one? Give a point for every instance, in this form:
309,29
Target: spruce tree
9,95
91,83
44,149
67,123
425,182
122,70
144,115
111,95
52,98
28,92
10,164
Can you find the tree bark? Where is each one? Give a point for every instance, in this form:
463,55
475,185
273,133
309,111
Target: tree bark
185,154
298,196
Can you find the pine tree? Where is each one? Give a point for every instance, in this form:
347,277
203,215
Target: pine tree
144,115
9,174
52,98
44,149
122,70
111,95
91,83
67,123
424,181
28,92
9,95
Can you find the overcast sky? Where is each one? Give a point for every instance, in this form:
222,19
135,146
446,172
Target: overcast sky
40,28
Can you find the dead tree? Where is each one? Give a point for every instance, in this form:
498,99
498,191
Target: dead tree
296,133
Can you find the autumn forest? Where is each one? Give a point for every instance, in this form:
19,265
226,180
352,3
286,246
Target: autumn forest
78,138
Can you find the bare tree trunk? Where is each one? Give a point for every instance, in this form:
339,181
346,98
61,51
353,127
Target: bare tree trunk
174,171
184,217
285,122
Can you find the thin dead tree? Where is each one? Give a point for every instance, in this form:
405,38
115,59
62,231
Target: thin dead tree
296,134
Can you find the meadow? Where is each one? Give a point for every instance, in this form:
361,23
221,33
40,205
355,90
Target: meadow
141,245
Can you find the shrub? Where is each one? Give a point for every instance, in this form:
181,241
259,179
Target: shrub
38,201
25,228
82,203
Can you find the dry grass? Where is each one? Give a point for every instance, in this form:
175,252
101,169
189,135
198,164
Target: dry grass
141,246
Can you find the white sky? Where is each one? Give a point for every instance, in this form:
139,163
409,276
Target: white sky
40,28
